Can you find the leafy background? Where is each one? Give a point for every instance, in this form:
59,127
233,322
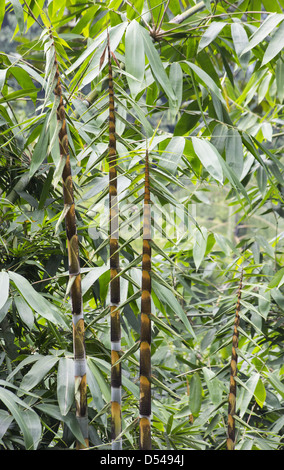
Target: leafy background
201,85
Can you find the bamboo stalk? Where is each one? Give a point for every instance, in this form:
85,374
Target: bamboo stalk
233,385
145,345
74,270
115,329
190,12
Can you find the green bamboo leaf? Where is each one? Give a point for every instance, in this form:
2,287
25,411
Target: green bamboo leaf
172,154
248,393
3,73
25,311
264,302
18,9
92,276
11,401
262,32
273,378
166,296
157,67
40,149
214,386
241,41
275,45
65,384
95,66
210,34
199,247
95,368
205,79
36,301
207,154
280,79
5,421
2,12
260,393
38,371
176,80
33,423
94,389
4,287
277,280
134,57
234,151
70,419
195,394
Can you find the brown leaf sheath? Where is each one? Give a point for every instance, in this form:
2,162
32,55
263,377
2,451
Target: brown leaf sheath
74,270
114,271
233,385
145,345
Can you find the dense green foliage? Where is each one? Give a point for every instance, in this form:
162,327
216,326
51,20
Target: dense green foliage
201,86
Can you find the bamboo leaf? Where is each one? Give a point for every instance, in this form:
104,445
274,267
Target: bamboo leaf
38,371
213,385
4,287
172,154
210,34
262,32
280,79
18,9
234,151
36,301
11,402
195,394
176,80
207,154
70,419
166,296
25,311
157,67
260,393
134,57
5,421
92,276
248,393
199,247
65,384
204,78
2,12
275,45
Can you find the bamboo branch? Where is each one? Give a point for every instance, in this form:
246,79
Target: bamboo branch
190,12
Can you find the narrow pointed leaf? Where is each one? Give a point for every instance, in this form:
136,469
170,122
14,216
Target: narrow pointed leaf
65,384
4,287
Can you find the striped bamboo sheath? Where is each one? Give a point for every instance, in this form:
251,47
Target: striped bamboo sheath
145,345
233,385
74,271
114,278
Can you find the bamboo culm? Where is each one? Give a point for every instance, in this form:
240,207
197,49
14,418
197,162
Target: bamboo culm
74,270
233,385
115,329
145,344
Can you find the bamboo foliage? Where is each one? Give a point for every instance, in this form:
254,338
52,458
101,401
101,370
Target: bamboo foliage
233,386
115,329
74,266
145,344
